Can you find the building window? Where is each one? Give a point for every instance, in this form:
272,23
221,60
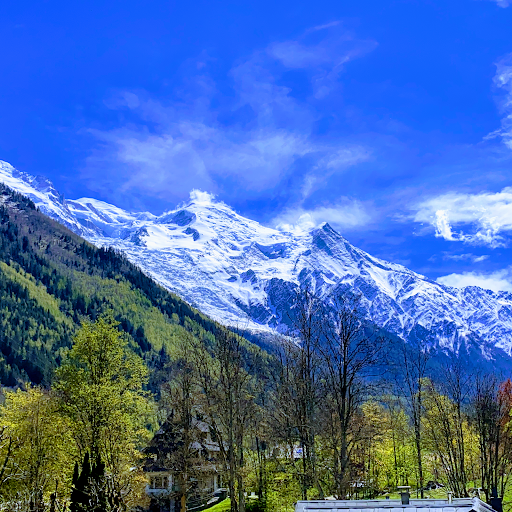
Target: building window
159,482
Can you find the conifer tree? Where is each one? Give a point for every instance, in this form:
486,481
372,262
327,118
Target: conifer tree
74,490
97,481
81,487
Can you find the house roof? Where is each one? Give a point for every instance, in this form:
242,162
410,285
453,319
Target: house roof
169,440
457,505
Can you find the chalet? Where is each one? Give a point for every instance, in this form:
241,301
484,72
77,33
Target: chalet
164,467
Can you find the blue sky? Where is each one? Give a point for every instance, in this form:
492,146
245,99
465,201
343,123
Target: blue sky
391,120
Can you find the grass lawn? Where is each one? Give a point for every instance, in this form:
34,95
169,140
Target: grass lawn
223,506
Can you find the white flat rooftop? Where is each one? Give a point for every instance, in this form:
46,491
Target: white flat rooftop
457,505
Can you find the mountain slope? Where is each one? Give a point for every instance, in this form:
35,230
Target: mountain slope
51,279
240,272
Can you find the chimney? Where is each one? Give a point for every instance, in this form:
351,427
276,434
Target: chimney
404,494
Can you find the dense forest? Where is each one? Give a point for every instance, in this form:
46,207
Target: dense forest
96,358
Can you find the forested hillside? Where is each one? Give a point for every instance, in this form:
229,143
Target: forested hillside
51,279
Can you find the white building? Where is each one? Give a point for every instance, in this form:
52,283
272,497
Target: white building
426,505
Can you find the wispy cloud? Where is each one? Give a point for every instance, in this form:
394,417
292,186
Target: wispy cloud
496,281
503,82
465,257
252,138
481,219
326,58
333,162
502,3
344,215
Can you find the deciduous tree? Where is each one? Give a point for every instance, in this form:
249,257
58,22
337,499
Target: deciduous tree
100,386
35,446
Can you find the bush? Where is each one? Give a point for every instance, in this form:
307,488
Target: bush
255,506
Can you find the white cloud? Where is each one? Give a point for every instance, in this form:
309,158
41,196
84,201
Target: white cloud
465,257
324,26
502,3
503,82
485,217
123,99
346,214
325,59
442,225
343,158
201,197
332,163
495,281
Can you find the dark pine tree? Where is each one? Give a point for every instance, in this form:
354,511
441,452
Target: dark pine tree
75,492
81,487
98,481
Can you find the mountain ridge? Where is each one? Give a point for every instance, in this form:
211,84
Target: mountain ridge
242,273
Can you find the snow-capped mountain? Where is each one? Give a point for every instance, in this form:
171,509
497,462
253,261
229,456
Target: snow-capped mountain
240,272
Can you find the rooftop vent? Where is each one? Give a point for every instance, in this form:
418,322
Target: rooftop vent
404,493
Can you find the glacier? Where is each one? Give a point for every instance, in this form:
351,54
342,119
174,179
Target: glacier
242,273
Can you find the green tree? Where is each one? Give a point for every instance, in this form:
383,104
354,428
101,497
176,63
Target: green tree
101,390
35,450
447,432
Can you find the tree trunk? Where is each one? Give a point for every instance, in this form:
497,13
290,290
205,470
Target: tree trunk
304,473
232,478
420,462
